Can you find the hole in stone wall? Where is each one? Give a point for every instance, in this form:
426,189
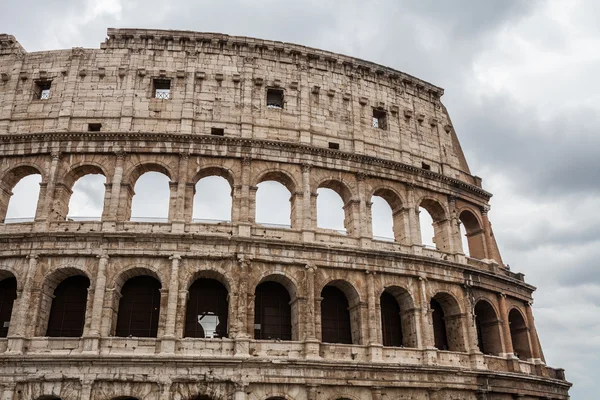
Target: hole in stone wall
162,89
217,131
94,127
379,119
275,98
426,166
42,90
334,145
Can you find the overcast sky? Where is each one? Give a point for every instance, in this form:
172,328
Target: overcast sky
522,88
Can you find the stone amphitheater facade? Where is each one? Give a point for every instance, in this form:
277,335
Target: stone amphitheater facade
250,111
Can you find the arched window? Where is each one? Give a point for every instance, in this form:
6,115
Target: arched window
212,201
426,224
87,201
439,326
473,238
67,314
447,323
432,217
139,307
398,322
330,210
151,200
22,205
207,310
519,334
8,294
272,312
488,329
335,316
273,205
383,219
390,321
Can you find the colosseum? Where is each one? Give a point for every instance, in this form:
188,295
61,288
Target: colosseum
118,307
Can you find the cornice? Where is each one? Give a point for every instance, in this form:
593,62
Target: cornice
54,138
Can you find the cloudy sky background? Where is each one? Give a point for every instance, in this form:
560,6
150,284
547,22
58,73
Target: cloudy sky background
522,89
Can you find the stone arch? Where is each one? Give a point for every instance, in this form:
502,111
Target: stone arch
217,188
51,281
10,178
439,216
267,291
207,303
349,207
406,318
354,308
131,178
519,333
64,190
394,200
8,295
447,320
488,327
474,232
284,190
117,283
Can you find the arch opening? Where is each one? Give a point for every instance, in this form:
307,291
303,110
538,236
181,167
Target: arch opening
434,225
87,199
272,312
207,310
8,295
447,323
330,210
151,198
488,329
519,334
21,197
382,219
336,326
67,312
472,235
212,200
398,320
139,307
274,204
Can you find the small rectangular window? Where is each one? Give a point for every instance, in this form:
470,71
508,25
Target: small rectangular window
162,89
379,119
217,131
426,166
275,98
42,90
334,145
94,127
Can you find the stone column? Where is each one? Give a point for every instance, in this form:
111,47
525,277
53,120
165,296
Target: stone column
311,346
168,340
365,229
413,219
309,214
111,209
240,391
375,346
454,240
242,336
490,243
45,215
173,186
97,304
508,347
427,339
8,391
181,184
5,195
86,390
17,332
536,349
244,199
376,393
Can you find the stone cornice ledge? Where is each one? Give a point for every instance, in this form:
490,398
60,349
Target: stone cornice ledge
237,141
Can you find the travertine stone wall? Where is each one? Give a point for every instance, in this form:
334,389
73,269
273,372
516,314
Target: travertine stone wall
219,81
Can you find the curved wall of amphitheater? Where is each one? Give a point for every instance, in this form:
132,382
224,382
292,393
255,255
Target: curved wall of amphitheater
462,327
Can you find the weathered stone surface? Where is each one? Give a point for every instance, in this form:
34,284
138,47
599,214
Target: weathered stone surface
220,81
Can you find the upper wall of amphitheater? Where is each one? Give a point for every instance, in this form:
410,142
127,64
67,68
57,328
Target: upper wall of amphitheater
220,81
